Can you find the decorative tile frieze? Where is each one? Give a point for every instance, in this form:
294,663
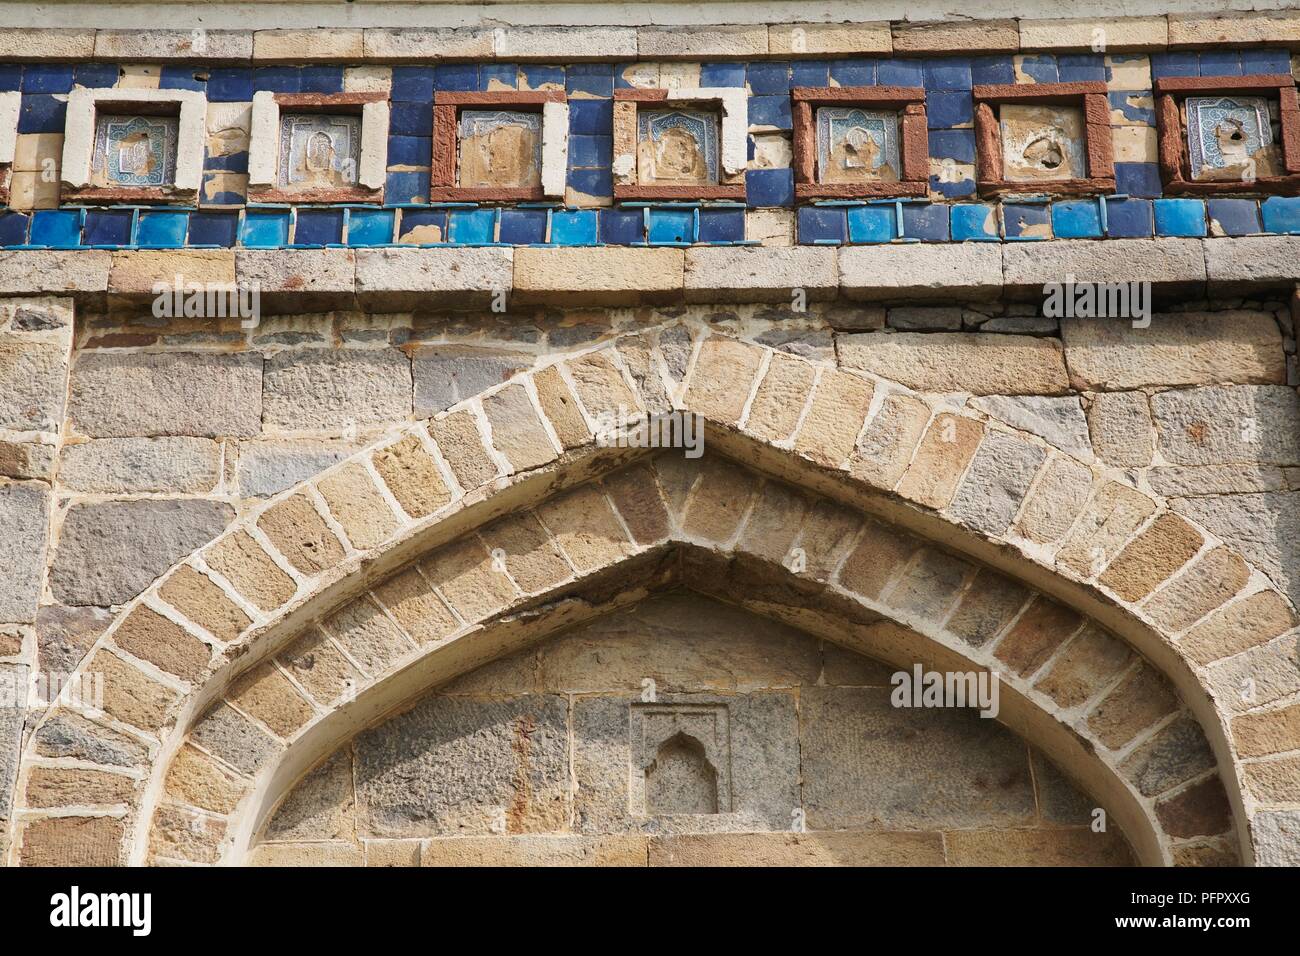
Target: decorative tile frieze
680,143
852,142
499,146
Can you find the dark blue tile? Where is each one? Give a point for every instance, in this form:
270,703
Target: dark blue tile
277,79
1081,67
230,163
1138,179
926,221
13,228
1129,218
945,109
42,113
769,187
47,78
107,227
213,228
371,227
621,227
410,150
590,150
406,186
318,227
671,226
532,76
596,79
859,72
955,144
523,227
952,186
900,73
974,221
212,195
57,228
1139,112
822,224
1235,217
947,73
1281,214
1260,62
230,85
873,223
321,79
722,225
471,226
1180,217
814,73
456,77
1041,67
11,77
94,76
1026,220
592,117
162,228
995,70
1175,64
722,74
180,77
498,76
423,226
410,119
592,182
413,83
769,77
1220,63
1077,219
770,111
573,227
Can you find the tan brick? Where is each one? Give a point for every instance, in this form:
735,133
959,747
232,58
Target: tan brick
586,528
1089,662
194,778
969,36
780,398
1072,847
722,377
1116,35
162,642
829,848
1034,638
834,418
1152,557
1214,578
601,387
559,405
412,476
517,433
76,786
1273,28
1239,626
1274,781
983,363
135,273
880,555
299,533
201,600
68,45
603,276
357,505
180,834
266,694
536,850
829,38
320,667
465,574
392,853
368,636
416,608
774,522
1105,526
241,561
635,493
307,854
72,841
719,501
129,695
886,446
1059,496
1268,732
308,46
530,554
461,445
1141,699
941,458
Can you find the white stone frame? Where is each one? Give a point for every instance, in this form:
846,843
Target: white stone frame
79,133
733,132
10,106
264,142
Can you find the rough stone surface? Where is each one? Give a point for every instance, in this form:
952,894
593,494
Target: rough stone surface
134,465
1264,528
1121,428
1058,421
977,362
445,376
32,386
24,509
1220,424
269,467
322,389
996,483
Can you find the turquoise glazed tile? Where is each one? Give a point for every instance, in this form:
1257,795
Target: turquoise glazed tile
162,228
873,223
370,227
975,221
472,226
1077,219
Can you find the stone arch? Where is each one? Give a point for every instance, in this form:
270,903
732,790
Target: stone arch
1091,543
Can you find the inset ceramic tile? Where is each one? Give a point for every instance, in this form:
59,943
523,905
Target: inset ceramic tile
135,151
500,149
1042,143
857,145
319,151
677,147
1229,137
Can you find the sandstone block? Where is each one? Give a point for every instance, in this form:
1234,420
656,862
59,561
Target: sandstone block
401,280
24,518
447,375
830,428
1170,265
972,36
1118,35
920,272
602,276
673,42
1152,557
757,274
357,505
996,483
33,382
829,38
241,561
978,362
1121,428
336,388
132,465
517,433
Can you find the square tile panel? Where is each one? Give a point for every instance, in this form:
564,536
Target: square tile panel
857,145
1229,137
319,151
135,151
1042,143
500,149
677,147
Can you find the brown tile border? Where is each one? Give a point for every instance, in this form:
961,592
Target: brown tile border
914,145
1099,146
1175,164
446,110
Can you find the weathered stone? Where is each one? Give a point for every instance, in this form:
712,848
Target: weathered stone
758,274
586,528
1264,528
1087,664
110,551
1200,810
471,580
319,667
64,786
1121,428
321,806
369,637
1041,629
929,586
870,848
357,505
447,375
1072,847
32,386
996,482
25,460
412,475
977,362
47,271
269,467
1121,34
1105,526
298,280
148,635
635,494
129,696
921,272
1180,481
1170,265
722,377
535,850
24,518
1176,754
267,695
1217,424
940,460
177,465
1238,626
923,319
887,443
415,607
517,432
336,388
604,276
300,534
407,44
601,387
971,36
399,280
1141,699
719,501
527,551
880,555
72,841
194,778
226,734
1059,800
778,404
1209,582
67,734
241,561
671,42
987,607
1058,421
183,835
1151,558
1255,677
1267,732
281,855
458,438
829,38
1251,263
1056,501
565,42
831,425
394,853
1277,837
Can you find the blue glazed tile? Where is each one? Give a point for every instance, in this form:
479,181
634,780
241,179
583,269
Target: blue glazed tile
1041,67
410,119
592,182
815,73
42,113
722,74
1129,218
672,226
498,76
413,84
1221,63
822,224
471,226
873,223
1180,217
1122,100
955,144
421,226
769,187
1138,179
214,197
1260,62
771,111
590,150
592,117
94,76
56,228
230,85
977,221
1026,220
264,228
370,227
406,186
1281,214
456,77
318,227
107,227
945,109
594,78
951,188
1175,64
410,150
1235,217
1081,67
947,73
900,73
13,228
722,225
213,228
992,70
231,163
926,221
11,77
277,79
47,78
621,227
859,72
533,76
321,79
523,227
1077,219
182,78
771,76
162,228
573,227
